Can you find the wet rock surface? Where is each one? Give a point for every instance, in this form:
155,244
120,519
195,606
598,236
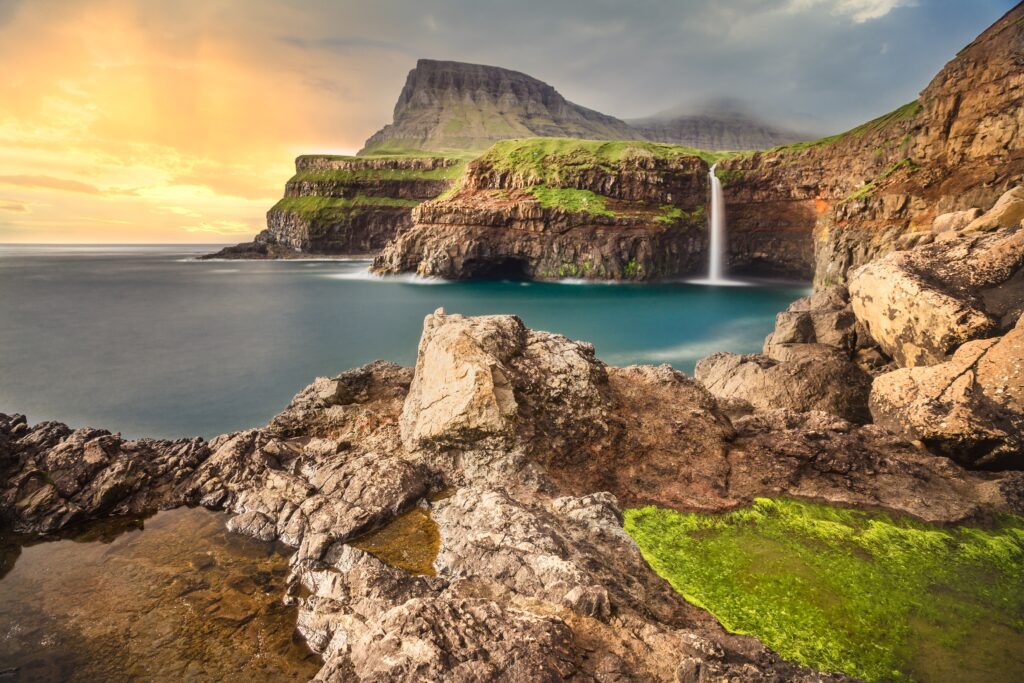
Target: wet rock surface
170,597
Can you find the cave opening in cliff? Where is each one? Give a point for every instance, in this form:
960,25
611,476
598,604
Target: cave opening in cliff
508,268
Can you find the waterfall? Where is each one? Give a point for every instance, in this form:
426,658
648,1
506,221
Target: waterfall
716,250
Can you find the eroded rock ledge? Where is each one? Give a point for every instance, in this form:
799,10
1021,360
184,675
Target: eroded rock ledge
544,444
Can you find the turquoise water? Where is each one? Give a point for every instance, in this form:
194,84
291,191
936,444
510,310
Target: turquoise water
145,341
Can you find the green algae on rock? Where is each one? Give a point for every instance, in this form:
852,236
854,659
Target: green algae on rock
867,594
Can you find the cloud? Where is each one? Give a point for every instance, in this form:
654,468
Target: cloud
858,10
42,181
222,228
13,207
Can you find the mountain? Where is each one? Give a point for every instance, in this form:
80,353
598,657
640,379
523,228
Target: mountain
719,125
454,105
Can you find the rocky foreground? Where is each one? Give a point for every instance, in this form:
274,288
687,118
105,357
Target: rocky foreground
544,445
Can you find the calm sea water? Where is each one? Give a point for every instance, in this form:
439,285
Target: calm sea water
145,341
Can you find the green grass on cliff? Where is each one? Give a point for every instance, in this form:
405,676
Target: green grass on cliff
370,174
315,205
907,111
548,160
573,201
878,597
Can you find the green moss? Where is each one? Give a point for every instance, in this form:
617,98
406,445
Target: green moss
871,595
370,174
573,201
633,270
320,205
868,188
550,160
907,111
670,215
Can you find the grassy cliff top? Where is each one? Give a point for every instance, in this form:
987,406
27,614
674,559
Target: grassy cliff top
542,156
310,206
907,111
353,175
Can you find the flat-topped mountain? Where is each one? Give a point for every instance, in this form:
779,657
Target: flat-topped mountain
718,125
454,105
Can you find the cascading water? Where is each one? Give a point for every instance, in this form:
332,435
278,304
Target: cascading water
716,250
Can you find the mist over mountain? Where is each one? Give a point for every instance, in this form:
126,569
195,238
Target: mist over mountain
719,124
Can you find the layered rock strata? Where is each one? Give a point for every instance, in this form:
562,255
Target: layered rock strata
864,193
545,209
453,105
543,444
347,205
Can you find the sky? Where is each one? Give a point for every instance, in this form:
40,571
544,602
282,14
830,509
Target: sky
160,122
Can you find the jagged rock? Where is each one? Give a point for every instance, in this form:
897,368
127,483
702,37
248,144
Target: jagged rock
815,381
856,195
824,318
954,221
534,568
491,381
920,305
969,408
1007,212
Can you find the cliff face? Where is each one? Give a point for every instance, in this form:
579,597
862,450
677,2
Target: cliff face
548,208
881,186
347,205
453,105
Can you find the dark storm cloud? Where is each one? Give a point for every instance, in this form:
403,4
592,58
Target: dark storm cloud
827,64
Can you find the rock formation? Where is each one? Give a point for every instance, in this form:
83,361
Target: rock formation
867,192
448,106
556,208
347,205
543,443
718,125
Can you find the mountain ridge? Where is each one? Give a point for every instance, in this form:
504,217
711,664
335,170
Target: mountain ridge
449,105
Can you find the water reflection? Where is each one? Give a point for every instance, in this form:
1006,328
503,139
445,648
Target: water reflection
171,597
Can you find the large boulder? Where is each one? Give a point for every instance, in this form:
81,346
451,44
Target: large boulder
823,318
490,383
1007,212
921,304
970,408
824,382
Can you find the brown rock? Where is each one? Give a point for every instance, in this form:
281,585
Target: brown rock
970,408
812,382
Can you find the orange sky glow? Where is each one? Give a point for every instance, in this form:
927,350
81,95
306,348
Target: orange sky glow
118,125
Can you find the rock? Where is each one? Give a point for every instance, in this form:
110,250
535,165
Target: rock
1007,212
632,214
823,381
954,221
462,390
447,105
534,571
969,408
825,319
489,382
920,305
856,195
346,206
